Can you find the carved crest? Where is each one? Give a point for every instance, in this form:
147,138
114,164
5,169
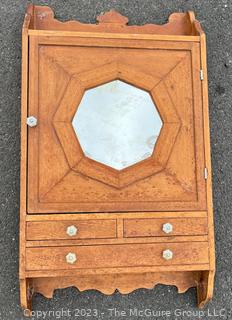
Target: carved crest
112,16
42,18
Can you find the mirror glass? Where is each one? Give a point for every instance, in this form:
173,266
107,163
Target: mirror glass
117,124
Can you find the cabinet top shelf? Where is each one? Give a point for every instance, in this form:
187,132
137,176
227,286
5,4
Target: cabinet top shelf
41,18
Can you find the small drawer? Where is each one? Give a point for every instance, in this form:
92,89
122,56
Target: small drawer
165,227
73,229
113,256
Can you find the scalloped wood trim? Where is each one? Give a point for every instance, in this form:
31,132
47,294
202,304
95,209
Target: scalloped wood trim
205,288
114,22
124,283
26,294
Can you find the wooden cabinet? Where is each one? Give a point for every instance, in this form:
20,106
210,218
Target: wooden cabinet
115,156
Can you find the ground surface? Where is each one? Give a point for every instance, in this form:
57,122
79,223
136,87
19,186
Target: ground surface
216,18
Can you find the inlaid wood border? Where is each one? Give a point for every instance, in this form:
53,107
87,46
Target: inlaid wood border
62,122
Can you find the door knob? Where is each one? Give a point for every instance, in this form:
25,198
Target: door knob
31,121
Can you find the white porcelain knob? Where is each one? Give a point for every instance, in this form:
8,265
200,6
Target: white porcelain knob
71,258
167,254
31,121
167,227
71,231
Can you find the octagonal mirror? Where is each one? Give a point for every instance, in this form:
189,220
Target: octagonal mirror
117,124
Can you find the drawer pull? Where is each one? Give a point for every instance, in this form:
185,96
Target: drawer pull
71,258
167,227
167,254
71,231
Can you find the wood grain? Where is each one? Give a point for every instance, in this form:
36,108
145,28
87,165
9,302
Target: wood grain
23,145
103,271
153,227
124,283
110,241
205,290
112,21
116,215
153,184
138,255
25,298
86,229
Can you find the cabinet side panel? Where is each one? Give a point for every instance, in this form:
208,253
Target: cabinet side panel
207,152
23,159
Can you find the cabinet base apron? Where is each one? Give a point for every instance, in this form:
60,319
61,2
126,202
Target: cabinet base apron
125,283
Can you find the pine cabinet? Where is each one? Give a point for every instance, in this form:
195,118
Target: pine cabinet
115,156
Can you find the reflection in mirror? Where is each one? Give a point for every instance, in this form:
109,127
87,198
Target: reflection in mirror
117,124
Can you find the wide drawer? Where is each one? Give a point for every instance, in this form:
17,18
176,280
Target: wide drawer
123,255
74,229
165,227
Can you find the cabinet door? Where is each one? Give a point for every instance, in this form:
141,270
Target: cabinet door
119,128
